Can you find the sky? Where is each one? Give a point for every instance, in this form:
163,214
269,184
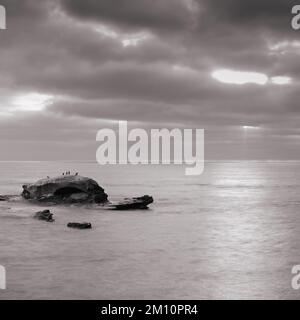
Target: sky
69,68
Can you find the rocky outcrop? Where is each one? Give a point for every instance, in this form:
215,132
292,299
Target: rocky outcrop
75,189
4,198
9,197
65,189
78,225
132,203
44,215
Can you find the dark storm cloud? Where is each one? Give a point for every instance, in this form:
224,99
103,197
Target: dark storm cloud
177,15
268,13
157,14
74,51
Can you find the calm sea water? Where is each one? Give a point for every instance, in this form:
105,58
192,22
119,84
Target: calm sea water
233,232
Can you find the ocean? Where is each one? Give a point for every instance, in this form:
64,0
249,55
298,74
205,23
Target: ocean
231,233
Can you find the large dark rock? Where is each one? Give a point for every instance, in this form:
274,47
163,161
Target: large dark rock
132,203
45,215
65,189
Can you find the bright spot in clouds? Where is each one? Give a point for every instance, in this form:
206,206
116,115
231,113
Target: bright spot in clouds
133,41
107,32
284,47
126,40
244,77
239,77
281,80
32,102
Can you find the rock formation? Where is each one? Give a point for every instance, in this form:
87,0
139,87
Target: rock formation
132,203
77,225
68,189
4,198
65,189
45,215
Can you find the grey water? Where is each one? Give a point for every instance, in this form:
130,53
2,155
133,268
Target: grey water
231,233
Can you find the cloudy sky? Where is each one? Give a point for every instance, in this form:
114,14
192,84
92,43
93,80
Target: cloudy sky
71,67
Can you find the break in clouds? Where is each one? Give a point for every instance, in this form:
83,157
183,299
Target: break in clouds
70,67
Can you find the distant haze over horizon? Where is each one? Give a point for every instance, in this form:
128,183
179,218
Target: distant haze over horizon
69,68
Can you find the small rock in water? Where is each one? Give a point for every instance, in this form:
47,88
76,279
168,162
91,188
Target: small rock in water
4,198
77,225
45,215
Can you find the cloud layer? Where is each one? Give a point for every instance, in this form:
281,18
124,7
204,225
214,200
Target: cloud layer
149,62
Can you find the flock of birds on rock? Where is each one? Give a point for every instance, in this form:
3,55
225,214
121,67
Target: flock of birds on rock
67,173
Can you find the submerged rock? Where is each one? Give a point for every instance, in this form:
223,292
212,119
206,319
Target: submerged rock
65,189
77,225
9,197
45,215
132,203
